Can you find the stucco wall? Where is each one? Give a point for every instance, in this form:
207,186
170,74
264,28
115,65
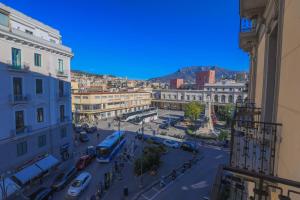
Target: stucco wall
260,71
289,93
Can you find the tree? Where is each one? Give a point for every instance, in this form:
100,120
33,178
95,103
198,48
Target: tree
225,113
223,135
192,110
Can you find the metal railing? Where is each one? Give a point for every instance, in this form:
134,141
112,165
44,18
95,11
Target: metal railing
248,25
17,68
20,98
232,184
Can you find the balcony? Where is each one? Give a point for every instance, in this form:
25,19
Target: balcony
20,131
231,183
19,99
252,7
61,73
63,96
248,33
21,68
63,120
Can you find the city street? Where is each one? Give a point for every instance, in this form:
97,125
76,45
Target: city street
194,183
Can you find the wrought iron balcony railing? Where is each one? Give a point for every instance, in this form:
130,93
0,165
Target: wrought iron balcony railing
247,25
19,99
232,183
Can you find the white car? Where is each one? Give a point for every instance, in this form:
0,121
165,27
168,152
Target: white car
79,184
171,143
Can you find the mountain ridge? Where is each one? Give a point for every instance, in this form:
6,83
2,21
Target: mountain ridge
189,74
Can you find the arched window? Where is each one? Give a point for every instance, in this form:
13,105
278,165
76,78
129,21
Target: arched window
230,99
216,98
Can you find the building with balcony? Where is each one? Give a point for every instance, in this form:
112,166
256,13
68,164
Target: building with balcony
91,106
264,163
220,93
35,98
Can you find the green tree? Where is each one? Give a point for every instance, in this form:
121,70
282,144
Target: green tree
225,113
223,135
192,110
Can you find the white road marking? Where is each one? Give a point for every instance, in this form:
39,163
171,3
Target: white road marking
145,197
184,188
200,185
155,189
219,156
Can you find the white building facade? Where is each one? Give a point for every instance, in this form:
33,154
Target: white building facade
35,98
225,92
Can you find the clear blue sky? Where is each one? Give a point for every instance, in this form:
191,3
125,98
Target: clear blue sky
143,38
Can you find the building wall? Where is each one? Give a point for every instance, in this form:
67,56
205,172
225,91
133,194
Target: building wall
289,95
48,100
205,77
260,71
176,83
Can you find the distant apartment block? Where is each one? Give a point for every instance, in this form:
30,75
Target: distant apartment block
204,77
35,98
176,83
92,106
220,93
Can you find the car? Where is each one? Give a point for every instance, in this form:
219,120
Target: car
91,151
83,137
171,143
164,126
189,146
83,162
63,178
42,193
155,140
91,129
79,184
78,128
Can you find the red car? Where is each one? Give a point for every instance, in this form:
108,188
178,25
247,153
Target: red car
83,162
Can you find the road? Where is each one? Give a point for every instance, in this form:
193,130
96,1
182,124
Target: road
198,182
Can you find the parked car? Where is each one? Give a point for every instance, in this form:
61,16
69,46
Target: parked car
189,146
155,140
83,162
171,143
79,184
78,128
83,137
42,193
63,178
91,129
164,126
91,151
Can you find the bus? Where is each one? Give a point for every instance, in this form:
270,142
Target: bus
110,146
132,115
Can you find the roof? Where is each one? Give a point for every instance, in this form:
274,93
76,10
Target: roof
122,92
109,140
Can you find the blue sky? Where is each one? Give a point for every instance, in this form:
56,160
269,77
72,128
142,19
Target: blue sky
143,38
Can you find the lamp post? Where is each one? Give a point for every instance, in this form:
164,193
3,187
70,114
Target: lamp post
141,178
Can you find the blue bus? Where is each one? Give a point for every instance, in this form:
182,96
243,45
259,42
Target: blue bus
110,146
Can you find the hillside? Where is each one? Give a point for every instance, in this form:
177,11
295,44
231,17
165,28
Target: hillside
189,74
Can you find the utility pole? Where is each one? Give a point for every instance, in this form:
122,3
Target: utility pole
141,179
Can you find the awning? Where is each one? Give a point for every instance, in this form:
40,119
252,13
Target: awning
11,187
28,173
47,163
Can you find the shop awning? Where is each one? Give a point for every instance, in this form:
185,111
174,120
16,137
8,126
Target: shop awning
47,163
11,187
28,173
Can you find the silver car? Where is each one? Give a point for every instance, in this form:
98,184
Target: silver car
79,184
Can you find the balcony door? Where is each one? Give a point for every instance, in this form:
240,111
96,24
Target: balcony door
270,91
17,88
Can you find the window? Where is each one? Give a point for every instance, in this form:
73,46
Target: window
37,60
29,32
19,117
63,132
40,115
39,86
77,97
21,148
97,97
17,87
61,88
60,65
16,58
42,140
62,112
85,97
3,20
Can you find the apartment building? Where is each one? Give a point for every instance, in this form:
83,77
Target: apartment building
176,83
91,106
264,161
35,98
224,92
204,77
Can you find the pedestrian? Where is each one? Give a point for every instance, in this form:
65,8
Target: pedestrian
98,135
